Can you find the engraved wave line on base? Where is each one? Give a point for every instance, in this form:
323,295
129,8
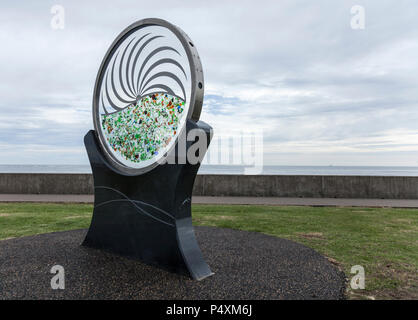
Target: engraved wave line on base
134,203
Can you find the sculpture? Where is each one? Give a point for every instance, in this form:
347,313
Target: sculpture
147,98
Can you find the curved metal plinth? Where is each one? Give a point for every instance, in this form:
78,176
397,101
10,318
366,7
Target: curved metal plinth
148,216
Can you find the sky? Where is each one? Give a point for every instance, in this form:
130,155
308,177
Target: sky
322,92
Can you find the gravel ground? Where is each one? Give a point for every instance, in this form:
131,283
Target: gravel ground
247,265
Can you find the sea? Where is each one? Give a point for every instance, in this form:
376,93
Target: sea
233,169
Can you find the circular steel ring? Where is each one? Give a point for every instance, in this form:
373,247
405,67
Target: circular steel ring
195,100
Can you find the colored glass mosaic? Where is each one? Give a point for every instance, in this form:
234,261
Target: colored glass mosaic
139,132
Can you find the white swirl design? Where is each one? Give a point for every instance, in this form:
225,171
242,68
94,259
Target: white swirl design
139,67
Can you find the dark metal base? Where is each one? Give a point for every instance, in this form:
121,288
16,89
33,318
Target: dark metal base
146,217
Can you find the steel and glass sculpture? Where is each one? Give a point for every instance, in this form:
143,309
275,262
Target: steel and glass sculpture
148,95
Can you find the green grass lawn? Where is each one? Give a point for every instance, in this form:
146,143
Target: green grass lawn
383,241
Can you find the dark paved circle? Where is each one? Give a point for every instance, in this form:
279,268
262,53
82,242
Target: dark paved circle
247,265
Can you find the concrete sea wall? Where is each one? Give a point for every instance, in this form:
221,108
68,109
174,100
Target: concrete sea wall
234,185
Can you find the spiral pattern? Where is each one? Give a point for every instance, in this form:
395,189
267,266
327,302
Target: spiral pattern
134,71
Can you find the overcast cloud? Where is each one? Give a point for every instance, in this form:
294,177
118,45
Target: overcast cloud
322,92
